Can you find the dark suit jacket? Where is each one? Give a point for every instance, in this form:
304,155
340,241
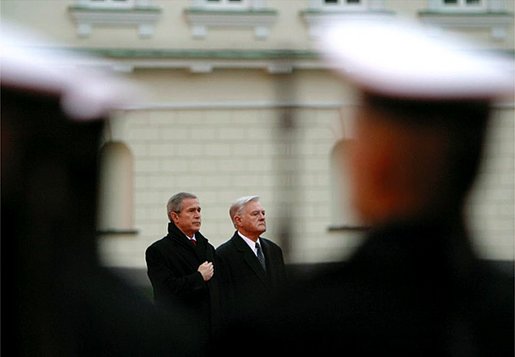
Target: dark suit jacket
245,282
172,264
412,289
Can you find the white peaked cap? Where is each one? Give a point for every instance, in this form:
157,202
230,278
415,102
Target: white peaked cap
86,87
397,58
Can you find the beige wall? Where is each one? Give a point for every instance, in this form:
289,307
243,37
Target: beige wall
222,153
216,134
492,203
230,148
172,30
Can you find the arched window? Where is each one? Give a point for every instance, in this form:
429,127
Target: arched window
343,216
116,207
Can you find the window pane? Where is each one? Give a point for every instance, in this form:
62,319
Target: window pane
353,2
473,2
450,2
331,1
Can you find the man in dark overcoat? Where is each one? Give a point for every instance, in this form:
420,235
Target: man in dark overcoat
253,266
416,286
181,266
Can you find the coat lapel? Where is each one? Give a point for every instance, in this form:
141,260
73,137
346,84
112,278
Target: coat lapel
248,256
201,249
180,239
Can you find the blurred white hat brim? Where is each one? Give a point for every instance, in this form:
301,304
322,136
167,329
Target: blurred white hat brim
402,59
86,88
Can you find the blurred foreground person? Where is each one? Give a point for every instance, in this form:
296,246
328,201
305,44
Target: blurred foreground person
415,287
56,298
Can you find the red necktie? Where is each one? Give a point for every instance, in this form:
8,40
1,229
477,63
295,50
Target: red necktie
193,242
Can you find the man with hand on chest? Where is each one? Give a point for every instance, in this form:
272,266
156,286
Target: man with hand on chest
181,265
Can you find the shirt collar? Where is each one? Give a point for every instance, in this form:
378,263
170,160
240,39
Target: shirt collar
250,242
192,237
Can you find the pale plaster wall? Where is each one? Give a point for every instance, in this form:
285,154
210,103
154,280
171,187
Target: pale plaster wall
215,134
222,153
172,30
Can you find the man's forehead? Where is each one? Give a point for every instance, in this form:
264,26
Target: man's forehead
190,202
253,205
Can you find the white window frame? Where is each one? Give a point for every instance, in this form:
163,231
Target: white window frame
344,5
113,4
228,5
491,15
341,5
460,6
463,5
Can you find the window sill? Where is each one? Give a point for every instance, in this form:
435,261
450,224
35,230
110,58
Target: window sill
202,20
496,22
314,17
144,18
117,232
347,228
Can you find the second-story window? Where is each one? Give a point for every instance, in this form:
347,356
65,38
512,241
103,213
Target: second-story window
226,4
113,4
108,3
342,4
463,5
461,2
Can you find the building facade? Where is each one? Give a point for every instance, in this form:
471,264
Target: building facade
236,102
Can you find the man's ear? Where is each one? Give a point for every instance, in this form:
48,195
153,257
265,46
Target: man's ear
396,181
385,179
388,173
173,216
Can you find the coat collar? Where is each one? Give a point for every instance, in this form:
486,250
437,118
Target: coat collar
248,255
175,233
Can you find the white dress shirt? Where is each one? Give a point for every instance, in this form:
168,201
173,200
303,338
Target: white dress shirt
251,243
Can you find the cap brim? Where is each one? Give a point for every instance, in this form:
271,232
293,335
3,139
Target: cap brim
84,85
402,59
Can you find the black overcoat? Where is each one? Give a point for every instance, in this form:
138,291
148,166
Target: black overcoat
172,264
245,283
411,289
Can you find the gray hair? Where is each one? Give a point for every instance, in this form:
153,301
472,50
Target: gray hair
175,202
238,205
